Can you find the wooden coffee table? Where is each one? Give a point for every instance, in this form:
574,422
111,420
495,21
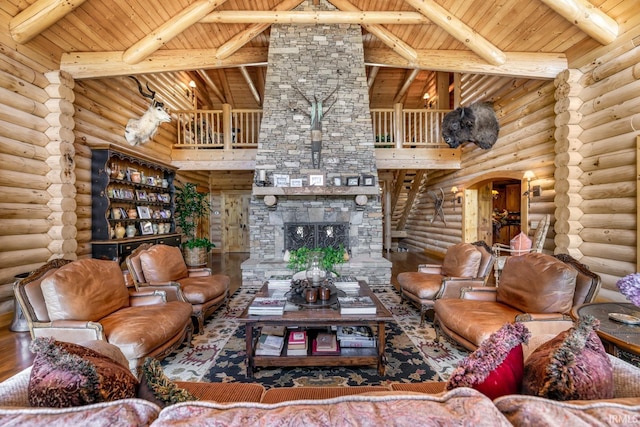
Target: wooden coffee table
317,318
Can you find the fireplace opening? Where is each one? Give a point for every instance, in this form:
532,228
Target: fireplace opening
316,234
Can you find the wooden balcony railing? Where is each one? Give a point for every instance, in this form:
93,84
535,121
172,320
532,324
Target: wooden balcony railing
234,129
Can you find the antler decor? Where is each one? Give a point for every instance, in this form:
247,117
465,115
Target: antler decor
438,201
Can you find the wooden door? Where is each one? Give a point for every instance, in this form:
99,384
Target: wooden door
236,221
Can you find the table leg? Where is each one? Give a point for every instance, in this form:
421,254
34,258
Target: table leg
381,348
248,330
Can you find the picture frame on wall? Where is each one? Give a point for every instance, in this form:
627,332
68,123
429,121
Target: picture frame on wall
144,212
146,227
316,180
368,180
353,181
280,180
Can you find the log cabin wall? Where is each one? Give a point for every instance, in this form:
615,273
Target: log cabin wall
525,110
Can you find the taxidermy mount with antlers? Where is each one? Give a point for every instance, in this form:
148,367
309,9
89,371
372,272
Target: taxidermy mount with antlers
139,131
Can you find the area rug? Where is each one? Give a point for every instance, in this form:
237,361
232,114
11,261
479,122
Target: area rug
218,355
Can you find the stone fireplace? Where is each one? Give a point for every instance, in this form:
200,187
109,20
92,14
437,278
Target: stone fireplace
316,95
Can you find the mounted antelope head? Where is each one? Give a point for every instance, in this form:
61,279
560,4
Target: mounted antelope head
139,131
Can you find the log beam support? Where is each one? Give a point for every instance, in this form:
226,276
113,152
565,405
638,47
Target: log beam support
597,24
38,17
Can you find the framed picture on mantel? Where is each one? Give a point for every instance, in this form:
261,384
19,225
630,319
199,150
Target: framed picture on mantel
316,180
353,181
280,180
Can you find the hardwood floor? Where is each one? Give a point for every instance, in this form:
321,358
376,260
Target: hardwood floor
15,355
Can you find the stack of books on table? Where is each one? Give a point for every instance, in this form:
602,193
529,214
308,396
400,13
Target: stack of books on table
279,282
356,337
325,343
357,305
348,284
269,345
297,343
266,306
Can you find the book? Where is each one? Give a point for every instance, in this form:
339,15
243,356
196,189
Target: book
347,281
297,351
266,306
279,282
269,345
278,330
355,333
351,343
356,305
297,340
325,349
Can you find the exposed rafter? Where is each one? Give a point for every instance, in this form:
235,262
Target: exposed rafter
38,17
314,17
252,86
461,31
212,85
587,17
410,78
385,36
176,25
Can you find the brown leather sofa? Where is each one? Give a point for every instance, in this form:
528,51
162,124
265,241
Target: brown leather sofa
536,288
464,265
161,266
78,301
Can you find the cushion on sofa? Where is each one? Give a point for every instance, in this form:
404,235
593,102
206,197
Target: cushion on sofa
66,374
461,260
87,289
157,388
537,283
462,406
572,366
162,263
495,368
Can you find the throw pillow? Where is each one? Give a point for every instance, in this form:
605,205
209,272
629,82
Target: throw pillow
496,367
157,388
66,375
571,366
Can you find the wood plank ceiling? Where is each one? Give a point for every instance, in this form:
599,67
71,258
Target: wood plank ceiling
222,44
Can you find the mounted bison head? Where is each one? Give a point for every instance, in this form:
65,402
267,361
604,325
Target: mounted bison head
476,123
139,131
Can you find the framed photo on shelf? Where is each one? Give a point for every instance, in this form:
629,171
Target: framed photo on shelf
337,181
143,212
280,180
141,195
316,180
297,182
146,227
353,181
368,180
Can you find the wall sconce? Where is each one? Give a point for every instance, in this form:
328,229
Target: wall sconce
495,194
194,98
457,197
425,98
531,191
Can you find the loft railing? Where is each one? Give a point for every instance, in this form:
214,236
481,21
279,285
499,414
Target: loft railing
239,128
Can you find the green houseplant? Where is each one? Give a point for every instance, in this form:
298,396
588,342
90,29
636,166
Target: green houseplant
191,207
299,258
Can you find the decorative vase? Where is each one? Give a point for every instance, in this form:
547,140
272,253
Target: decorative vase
195,257
315,272
131,230
120,230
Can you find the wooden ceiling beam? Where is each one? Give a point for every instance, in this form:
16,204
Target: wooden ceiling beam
212,85
165,32
313,17
459,30
518,64
252,86
384,35
38,17
242,38
405,87
597,24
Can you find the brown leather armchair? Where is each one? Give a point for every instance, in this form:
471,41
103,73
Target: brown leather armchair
464,265
78,301
535,288
161,266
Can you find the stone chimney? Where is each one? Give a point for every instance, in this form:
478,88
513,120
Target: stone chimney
316,94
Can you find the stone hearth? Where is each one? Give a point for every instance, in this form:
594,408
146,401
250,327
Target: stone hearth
323,65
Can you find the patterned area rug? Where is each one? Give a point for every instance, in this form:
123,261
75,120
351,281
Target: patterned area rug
218,355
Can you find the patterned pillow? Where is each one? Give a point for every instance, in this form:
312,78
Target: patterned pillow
66,375
496,367
571,366
157,388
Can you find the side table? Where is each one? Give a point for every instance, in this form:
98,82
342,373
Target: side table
619,339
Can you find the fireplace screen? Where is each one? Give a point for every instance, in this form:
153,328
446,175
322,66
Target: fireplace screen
313,235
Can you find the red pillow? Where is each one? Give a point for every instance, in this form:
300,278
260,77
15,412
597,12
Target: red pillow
496,367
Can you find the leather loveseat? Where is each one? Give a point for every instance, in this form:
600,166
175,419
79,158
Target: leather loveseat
78,301
536,288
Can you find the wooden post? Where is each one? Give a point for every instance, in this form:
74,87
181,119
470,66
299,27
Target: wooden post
226,126
398,124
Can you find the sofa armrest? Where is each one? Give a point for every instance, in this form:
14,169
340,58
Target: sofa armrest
479,293
199,271
172,289
430,268
75,331
626,378
452,286
526,317
147,297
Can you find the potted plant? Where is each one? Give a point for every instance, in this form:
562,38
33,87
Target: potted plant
191,207
299,258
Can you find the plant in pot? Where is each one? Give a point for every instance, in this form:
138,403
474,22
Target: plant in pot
330,257
191,207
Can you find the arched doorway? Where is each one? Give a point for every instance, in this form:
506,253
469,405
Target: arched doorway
482,201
